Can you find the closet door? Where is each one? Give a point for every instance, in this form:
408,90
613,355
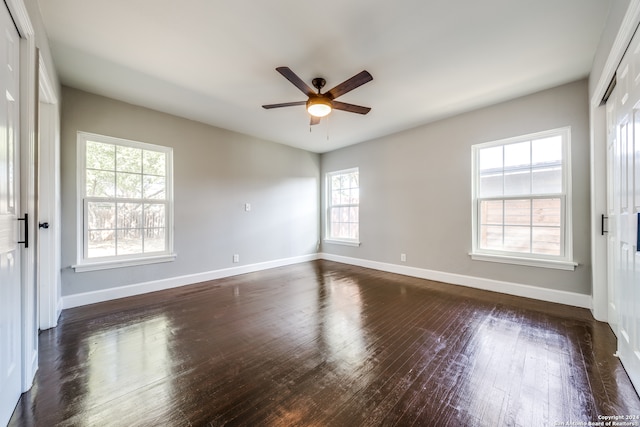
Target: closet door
624,190
10,226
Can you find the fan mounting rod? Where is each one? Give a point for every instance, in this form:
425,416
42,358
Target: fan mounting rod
318,83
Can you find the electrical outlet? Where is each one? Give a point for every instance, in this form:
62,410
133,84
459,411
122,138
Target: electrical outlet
403,257
236,258
247,207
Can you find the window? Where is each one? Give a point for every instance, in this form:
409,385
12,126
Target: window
521,200
125,204
343,200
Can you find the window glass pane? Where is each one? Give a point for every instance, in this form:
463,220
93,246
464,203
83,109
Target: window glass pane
546,150
335,215
354,231
345,196
101,215
344,214
353,180
129,242
353,214
517,212
129,185
335,182
100,156
517,183
154,240
101,244
345,230
491,237
154,215
335,197
129,215
491,212
344,180
491,158
546,240
547,212
517,239
491,185
354,196
546,180
100,183
154,187
154,163
517,155
128,159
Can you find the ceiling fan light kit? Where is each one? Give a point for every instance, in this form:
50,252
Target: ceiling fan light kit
321,104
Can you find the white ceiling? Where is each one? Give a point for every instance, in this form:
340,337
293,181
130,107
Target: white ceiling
214,60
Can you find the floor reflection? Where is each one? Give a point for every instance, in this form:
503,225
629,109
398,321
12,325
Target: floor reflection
134,356
341,324
518,362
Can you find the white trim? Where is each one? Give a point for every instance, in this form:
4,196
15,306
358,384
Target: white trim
619,47
510,288
106,265
21,18
530,262
49,277
597,159
76,300
342,242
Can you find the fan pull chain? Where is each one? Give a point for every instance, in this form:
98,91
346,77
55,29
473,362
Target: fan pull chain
328,127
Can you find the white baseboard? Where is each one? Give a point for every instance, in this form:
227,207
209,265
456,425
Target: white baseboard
517,289
76,300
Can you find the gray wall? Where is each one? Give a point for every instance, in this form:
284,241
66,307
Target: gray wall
215,173
416,189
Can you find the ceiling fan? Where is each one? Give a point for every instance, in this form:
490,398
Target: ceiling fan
321,104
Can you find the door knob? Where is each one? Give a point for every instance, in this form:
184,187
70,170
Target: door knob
43,225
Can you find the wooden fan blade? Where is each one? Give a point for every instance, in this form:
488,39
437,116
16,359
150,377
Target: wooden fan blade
350,107
297,81
349,85
284,104
314,120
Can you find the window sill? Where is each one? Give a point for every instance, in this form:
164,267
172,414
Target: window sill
104,265
530,262
342,242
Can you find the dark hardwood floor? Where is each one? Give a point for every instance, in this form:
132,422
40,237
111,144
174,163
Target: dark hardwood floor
326,344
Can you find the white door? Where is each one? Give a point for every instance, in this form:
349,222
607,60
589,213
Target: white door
10,227
609,222
624,186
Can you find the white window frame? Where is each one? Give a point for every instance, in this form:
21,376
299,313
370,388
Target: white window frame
564,261
90,264
329,206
